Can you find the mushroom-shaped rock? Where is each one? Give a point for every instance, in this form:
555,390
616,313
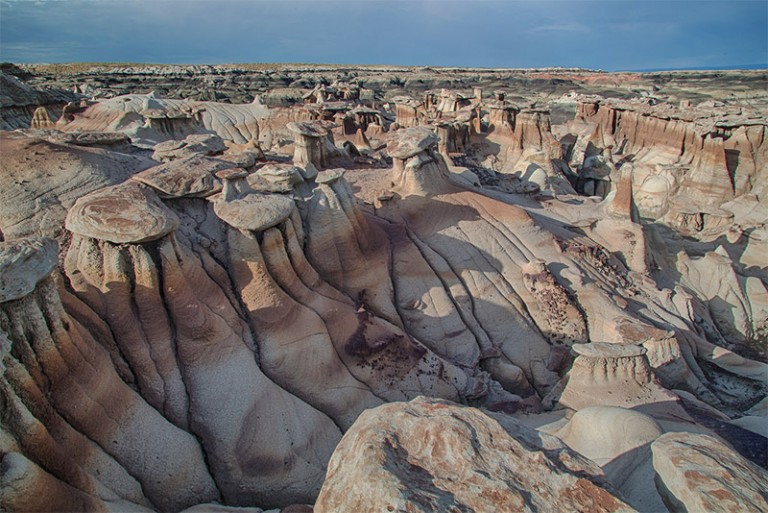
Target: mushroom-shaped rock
192,176
255,212
307,128
308,146
276,177
411,141
699,473
235,183
417,168
195,144
314,147
612,375
125,213
330,176
23,264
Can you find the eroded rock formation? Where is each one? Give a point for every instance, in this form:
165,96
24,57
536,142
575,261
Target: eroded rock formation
235,296
430,455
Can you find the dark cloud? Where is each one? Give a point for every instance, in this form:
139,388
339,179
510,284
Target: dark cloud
606,34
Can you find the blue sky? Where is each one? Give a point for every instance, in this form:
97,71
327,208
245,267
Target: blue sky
597,34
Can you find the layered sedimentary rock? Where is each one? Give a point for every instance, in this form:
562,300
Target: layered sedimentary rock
604,367
246,314
150,120
315,149
123,213
43,179
521,133
192,145
21,104
408,111
718,158
179,334
417,168
88,440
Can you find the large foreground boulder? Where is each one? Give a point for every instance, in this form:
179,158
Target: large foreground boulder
433,455
700,473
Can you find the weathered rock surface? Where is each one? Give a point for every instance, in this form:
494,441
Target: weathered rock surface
429,455
191,176
220,323
614,375
700,473
314,147
88,438
149,120
619,440
128,212
195,144
20,102
255,212
42,180
23,264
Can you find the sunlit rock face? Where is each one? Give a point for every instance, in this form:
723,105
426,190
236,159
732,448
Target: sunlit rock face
430,455
208,306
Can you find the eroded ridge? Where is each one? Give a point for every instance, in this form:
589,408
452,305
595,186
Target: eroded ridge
560,299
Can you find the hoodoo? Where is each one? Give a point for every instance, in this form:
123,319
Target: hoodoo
365,289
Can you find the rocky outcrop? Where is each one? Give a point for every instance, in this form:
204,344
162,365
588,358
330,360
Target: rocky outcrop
37,172
123,213
24,264
430,455
73,424
409,112
314,147
521,129
192,145
613,375
183,308
554,310
21,104
699,473
618,226
720,156
245,315
179,333
737,303
417,168
150,120
194,176
453,137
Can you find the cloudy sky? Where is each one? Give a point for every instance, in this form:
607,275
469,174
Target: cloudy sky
598,34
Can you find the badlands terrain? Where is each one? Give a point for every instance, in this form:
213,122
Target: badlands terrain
351,289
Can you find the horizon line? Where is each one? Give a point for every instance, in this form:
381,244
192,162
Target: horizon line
735,67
